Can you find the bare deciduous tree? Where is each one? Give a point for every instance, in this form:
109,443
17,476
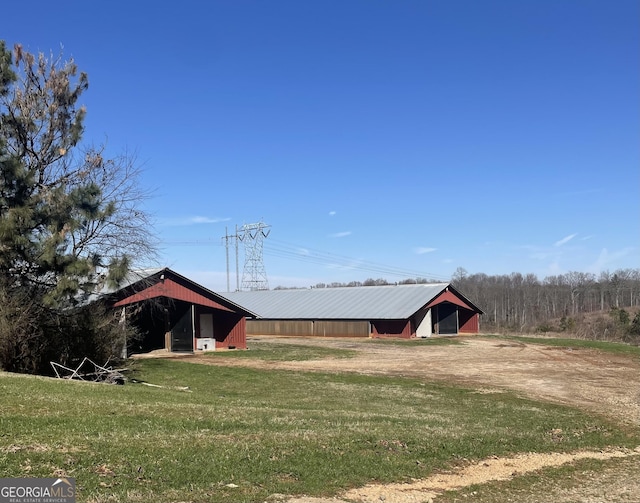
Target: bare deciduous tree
71,218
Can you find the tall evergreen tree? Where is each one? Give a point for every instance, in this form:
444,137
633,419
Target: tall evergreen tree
69,217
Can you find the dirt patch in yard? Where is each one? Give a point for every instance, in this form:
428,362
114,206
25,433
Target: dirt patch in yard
488,470
603,383
608,485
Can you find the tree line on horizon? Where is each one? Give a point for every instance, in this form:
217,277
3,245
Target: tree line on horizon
556,303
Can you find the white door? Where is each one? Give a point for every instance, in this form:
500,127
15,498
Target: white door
206,325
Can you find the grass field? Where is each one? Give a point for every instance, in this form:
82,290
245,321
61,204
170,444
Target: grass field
283,351
241,435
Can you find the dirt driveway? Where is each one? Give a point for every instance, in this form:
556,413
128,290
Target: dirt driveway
603,383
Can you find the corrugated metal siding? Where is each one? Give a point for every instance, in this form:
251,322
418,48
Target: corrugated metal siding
236,336
280,327
229,324
391,328
469,322
449,296
169,288
341,328
309,328
229,330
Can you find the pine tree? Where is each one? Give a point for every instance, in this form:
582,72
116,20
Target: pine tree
69,217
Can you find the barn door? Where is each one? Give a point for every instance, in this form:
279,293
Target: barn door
206,325
447,319
182,332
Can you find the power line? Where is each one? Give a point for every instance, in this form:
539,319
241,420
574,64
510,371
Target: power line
170,242
305,254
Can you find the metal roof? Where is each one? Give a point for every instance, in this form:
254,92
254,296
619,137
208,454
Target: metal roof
346,303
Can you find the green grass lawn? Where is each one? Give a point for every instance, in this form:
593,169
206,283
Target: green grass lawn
280,351
241,434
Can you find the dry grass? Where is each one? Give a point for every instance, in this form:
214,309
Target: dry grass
244,434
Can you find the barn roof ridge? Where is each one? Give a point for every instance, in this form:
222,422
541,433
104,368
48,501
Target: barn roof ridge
355,303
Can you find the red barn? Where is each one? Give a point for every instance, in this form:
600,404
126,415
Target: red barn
403,311
176,314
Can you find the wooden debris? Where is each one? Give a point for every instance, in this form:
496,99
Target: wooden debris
89,370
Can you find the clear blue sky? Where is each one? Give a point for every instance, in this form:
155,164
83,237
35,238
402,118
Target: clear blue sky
372,136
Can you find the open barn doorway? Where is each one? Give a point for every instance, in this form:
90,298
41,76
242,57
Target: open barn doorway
182,332
445,321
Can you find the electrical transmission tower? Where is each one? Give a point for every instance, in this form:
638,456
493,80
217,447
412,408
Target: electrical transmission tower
226,239
254,276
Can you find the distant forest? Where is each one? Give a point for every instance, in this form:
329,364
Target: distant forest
562,303
604,306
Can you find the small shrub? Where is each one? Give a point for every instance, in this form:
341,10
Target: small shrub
635,325
544,328
31,336
621,316
567,324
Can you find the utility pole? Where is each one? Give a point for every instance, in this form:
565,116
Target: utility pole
226,246
237,271
226,239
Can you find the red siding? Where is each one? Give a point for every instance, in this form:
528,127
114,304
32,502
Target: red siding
229,325
469,322
468,317
448,296
391,328
236,336
171,289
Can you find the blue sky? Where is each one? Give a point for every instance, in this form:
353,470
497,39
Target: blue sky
376,138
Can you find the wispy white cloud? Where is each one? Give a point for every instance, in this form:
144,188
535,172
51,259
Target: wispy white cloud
208,220
549,258
608,259
423,250
332,213
565,240
340,234
192,220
